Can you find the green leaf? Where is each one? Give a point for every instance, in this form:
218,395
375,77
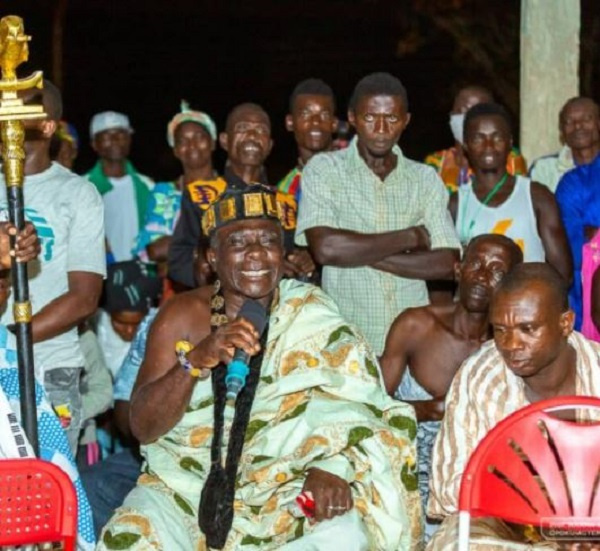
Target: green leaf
358,434
190,464
267,379
204,404
298,410
259,458
255,509
299,531
253,428
375,411
337,334
372,369
124,540
404,423
409,479
251,540
183,504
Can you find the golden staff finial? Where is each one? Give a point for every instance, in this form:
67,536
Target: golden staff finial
14,50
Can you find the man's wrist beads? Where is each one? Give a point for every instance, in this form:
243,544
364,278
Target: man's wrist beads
182,348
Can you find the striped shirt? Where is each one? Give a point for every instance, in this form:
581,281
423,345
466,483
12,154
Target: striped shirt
484,392
340,191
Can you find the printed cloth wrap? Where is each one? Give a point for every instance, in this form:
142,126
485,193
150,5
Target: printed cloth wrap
319,403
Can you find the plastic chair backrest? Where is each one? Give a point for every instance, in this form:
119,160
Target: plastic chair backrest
38,504
534,468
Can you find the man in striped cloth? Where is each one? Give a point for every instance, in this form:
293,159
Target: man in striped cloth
535,355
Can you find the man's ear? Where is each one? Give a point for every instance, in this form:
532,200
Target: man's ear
567,322
351,118
457,271
48,128
407,120
334,124
289,123
211,257
223,141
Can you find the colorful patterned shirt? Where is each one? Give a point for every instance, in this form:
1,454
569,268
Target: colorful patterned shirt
453,175
340,191
161,216
291,184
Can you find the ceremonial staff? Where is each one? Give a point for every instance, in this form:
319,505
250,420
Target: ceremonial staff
14,50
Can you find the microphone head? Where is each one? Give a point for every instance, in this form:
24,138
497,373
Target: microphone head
255,313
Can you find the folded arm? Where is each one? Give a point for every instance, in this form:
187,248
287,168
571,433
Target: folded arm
337,247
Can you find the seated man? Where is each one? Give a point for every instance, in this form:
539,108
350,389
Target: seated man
535,355
426,345
312,416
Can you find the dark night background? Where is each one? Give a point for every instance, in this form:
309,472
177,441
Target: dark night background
141,57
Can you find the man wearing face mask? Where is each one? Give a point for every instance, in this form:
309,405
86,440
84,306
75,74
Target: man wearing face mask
451,164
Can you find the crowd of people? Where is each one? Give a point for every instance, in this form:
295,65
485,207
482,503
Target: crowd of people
410,306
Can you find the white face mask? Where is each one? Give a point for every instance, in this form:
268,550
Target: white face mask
457,121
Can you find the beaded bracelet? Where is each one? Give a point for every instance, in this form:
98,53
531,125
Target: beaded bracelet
181,350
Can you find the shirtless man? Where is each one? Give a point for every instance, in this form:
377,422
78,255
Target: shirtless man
433,341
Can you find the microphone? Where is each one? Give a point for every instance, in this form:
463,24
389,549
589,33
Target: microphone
237,369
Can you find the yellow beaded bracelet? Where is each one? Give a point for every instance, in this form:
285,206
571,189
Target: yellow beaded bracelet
181,350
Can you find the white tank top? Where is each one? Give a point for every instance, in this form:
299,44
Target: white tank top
514,218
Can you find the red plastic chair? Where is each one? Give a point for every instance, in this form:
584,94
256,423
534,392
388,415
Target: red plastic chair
533,468
38,504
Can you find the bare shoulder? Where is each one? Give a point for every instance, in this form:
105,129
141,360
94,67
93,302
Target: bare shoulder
184,317
541,195
185,314
414,322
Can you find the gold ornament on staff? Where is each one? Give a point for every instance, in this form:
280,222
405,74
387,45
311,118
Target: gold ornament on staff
14,50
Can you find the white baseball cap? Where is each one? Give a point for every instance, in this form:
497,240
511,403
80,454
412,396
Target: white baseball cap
109,120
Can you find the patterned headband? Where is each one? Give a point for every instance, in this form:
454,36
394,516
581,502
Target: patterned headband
256,201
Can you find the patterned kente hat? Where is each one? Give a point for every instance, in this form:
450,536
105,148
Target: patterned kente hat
252,202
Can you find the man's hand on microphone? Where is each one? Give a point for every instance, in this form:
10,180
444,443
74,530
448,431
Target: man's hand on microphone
220,346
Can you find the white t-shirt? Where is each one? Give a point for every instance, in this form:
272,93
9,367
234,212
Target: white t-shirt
121,217
114,348
68,215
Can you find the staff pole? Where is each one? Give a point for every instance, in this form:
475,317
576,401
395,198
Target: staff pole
14,50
